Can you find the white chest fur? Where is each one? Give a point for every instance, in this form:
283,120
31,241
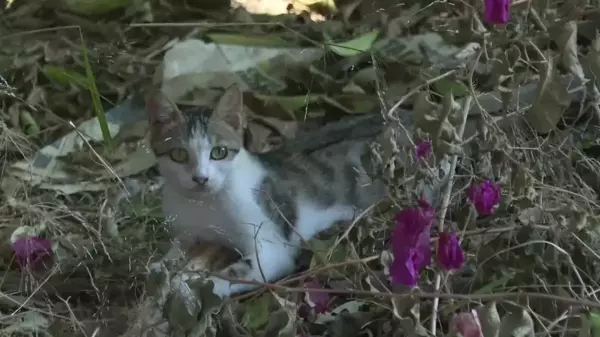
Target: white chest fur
206,218
240,198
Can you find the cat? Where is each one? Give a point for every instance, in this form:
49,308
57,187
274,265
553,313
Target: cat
263,205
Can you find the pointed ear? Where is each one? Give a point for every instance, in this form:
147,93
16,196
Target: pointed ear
230,108
162,111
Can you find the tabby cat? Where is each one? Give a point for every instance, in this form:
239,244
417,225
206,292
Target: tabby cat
263,205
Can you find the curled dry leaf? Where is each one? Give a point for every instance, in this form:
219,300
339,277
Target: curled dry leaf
552,100
565,36
517,324
593,61
489,319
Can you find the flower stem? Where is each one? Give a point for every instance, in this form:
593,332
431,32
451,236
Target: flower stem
445,204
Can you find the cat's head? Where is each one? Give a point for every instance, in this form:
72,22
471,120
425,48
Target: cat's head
195,150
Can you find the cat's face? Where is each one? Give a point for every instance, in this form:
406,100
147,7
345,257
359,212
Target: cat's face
196,150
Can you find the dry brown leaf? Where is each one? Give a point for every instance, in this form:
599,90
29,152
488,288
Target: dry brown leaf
552,100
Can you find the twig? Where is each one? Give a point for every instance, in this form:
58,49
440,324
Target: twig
433,295
416,90
446,203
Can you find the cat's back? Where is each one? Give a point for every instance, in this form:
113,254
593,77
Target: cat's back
334,173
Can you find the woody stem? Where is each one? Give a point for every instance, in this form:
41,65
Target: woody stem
445,204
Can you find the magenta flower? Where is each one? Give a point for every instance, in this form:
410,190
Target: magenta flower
496,11
410,243
467,323
449,254
485,196
31,251
318,300
423,149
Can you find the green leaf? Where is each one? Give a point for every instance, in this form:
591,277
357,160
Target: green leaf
585,329
249,40
355,46
446,86
65,76
257,312
28,123
324,251
595,323
91,81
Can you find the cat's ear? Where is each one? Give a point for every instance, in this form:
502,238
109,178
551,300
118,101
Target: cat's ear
162,111
230,108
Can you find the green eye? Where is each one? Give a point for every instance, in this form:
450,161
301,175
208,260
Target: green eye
178,155
218,153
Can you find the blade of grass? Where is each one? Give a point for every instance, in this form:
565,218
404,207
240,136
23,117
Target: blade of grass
95,96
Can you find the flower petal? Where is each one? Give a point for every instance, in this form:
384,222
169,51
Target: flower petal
31,250
467,324
318,300
450,255
423,149
485,196
496,11
402,270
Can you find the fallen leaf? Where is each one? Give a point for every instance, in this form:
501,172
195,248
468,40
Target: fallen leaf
257,312
593,61
565,36
28,322
94,7
517,324
281,324
248,40
552,100
489,319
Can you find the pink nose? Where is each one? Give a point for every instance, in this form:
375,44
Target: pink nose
200,180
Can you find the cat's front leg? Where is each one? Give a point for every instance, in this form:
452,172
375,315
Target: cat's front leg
270,262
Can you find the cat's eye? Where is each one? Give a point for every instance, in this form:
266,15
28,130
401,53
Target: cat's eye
178,155
218,153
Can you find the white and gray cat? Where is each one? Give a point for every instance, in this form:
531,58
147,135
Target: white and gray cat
262,205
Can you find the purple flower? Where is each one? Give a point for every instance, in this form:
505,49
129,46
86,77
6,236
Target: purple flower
467,323
318,300
496,11
403,270
423,149
485,196
31,251
449,254
410,243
